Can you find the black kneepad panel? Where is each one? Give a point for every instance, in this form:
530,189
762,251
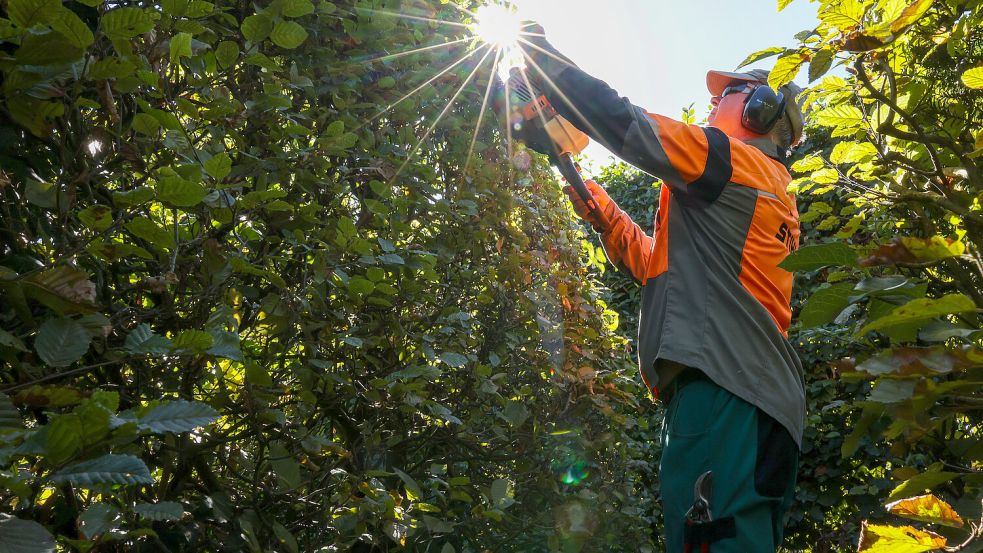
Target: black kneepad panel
762,109
774,468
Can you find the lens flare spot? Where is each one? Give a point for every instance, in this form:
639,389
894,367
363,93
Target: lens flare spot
575,474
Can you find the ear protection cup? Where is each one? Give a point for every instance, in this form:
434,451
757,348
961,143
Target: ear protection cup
762,109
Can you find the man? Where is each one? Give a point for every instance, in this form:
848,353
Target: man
715,306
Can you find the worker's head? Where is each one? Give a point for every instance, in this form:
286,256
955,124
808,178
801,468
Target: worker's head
745,107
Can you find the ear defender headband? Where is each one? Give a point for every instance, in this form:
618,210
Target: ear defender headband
762,108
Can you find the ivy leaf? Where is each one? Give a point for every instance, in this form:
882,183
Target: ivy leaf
926,508
108,469
177,417
24,536
973,78
288,34
810,258
61,342
162,510
923,309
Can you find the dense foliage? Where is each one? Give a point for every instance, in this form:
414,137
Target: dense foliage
244,310
892,278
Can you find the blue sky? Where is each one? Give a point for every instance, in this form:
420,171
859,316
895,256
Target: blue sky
657,52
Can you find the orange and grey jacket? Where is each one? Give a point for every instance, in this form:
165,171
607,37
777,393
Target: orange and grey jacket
713,296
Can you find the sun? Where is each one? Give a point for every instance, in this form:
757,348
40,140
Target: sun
498,25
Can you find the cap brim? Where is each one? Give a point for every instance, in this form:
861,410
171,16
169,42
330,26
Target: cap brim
717,81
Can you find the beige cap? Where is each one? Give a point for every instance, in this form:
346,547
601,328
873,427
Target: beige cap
717,81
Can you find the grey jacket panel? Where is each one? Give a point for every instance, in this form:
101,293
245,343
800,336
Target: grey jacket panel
699,314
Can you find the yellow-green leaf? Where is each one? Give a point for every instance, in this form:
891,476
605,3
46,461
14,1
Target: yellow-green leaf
926,508
911,14
843,115
786,68
66,23
877,538
973,78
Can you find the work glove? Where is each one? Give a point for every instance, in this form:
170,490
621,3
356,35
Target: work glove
601,219
545,56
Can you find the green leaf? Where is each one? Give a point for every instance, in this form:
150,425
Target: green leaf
24,536
192,341
852,152
501,494
921,483
820,64
28,13
453,359
785,70
297,8
47,49
146,124
973,78
842,115
9,340
810,258
227,53
256,27
288,34
96,217
227,345
825,304
133,197
180,47
877,538
177,417
219,166
143,227
61,342
127,22
9,416
108,469
142,340
66,23
110,68
844,16
178,192
162,510
923,309
910,14
98,519
760,55
892,391
413,491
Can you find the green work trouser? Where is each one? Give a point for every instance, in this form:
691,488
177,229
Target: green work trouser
753,459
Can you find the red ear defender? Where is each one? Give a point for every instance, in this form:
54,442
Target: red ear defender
762,109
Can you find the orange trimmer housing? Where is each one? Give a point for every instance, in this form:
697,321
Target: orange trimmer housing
540,127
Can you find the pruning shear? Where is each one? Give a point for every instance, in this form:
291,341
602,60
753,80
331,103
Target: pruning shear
699,513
